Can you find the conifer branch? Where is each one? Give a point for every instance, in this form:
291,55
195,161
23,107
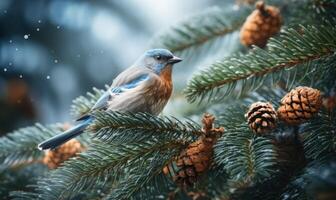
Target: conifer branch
129,141
195,31
292,49
319,135
138,179
243,155
99,162
117,128
21,146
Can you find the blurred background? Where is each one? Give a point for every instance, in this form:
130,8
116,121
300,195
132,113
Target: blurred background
52,51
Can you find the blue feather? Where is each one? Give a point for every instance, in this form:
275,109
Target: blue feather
161,52
131,84
158,67
59,139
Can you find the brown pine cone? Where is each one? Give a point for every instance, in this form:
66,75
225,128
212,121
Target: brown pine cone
260,25
192,162
196,158
54,158
299,105
261,117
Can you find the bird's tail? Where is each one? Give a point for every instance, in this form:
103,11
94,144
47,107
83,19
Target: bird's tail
59,139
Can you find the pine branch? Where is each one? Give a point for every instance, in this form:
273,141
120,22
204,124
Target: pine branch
206,26
157,187
82,104
323,78
292,49
136,182
118,128
319,135
21,146
99,162
243,155
129,141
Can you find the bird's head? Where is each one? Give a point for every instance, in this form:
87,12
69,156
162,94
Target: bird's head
158,60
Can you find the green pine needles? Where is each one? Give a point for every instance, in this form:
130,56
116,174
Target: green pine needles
135,145
20,147
117,127
293,48
204,27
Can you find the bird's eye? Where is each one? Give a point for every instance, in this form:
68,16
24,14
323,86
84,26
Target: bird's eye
158,57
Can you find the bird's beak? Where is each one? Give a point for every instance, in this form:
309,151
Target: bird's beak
174,60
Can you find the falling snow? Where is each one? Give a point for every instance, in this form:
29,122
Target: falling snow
55,61
39,21
5,69
20,76
58,27
48,77
37,29
26,37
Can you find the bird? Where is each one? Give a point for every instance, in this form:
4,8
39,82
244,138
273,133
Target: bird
146,86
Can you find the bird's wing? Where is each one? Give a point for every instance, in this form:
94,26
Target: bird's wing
127,80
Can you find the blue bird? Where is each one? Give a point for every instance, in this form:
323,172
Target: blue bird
146,86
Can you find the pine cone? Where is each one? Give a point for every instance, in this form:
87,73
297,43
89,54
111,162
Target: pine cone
196,158
299,105
261,117
54,158
260,25
191,163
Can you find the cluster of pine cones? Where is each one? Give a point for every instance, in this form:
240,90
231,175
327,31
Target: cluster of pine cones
297,106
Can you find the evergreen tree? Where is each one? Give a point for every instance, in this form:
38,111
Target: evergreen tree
247,148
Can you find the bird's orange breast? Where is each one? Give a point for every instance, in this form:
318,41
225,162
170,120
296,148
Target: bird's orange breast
166,81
